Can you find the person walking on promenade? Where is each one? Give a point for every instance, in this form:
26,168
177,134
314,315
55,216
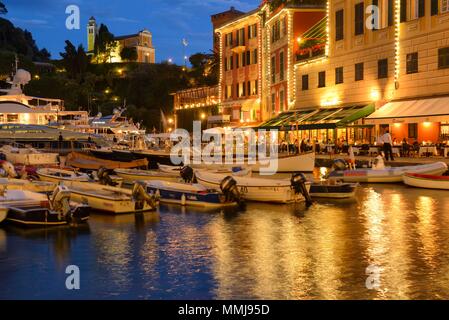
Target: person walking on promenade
388,143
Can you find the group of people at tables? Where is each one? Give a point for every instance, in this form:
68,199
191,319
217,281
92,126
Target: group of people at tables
386,143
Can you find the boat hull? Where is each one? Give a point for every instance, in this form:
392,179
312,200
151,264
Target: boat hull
304,162
390,175
154,158
274,193
86,162
343,191
427,181
33,159
131,176
106,199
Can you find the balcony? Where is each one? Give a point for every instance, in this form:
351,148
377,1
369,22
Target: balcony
238,48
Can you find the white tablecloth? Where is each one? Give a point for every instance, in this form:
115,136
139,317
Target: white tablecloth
426,150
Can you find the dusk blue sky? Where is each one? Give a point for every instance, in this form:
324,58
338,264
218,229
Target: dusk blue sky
169,20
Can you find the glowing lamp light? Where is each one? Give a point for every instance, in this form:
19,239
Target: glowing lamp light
427,124
299,39
397,125
375,95
170,120
203,116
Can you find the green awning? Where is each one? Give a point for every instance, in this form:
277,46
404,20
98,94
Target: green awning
357,115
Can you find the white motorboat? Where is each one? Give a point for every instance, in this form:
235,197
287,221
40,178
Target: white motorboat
28,156
259,189
28,185
426,181
56,175
387,175
31,209
303,162
187,194
130,176
112,199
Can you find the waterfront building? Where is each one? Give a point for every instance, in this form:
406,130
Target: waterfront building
142,41
396,63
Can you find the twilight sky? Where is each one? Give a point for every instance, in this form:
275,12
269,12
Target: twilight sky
169,20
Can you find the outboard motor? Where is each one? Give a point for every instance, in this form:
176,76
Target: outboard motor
187,174
104,177
229,188
2,156
339,165
60,201
298,182
141,196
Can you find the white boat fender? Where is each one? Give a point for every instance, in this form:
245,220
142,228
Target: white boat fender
229,188
298,182
183,199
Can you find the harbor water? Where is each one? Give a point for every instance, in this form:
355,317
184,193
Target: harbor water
391,242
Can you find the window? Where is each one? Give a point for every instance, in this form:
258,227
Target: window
403,10
284,26
243,59
281,100
248,57
322,79
413,131
359,71
273,69
338,75
386,13
228,64
276,31
412,63
273,102
255,56
228,40
434,7
281,66
359,18
417,9
252,31
443,58
249,88
256,87
382,69
228,93
339,24
305,82
444,6
241,37
237,61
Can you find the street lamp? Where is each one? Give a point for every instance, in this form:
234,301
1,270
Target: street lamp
170,121
203,116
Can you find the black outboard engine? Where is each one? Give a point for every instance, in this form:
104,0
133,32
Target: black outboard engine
187,174
104,177
229,188
339,165
298,182
2,157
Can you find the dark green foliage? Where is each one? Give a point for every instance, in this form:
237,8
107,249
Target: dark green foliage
129,54
3,9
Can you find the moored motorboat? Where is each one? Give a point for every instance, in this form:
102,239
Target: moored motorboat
28,185
31,209
133,175
303,162
188,194
28,156
333,190
112,199
260,189
87,162
426,181
386,175
56,175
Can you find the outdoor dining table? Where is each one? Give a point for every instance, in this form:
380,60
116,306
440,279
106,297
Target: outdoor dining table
428,151
378,149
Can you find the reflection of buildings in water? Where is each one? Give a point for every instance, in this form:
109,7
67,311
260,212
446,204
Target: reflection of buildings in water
2,240
273,255
387,239
60,238
427,230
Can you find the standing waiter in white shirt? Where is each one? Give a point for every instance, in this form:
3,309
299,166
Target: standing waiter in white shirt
388,145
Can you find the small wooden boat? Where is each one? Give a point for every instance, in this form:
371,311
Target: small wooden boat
386,175
259,189
86,162
31,209
133,175
426,181
112,199
333,190
187,194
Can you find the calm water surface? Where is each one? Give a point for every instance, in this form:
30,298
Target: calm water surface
265,252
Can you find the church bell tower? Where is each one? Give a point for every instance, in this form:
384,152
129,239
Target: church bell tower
91,34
